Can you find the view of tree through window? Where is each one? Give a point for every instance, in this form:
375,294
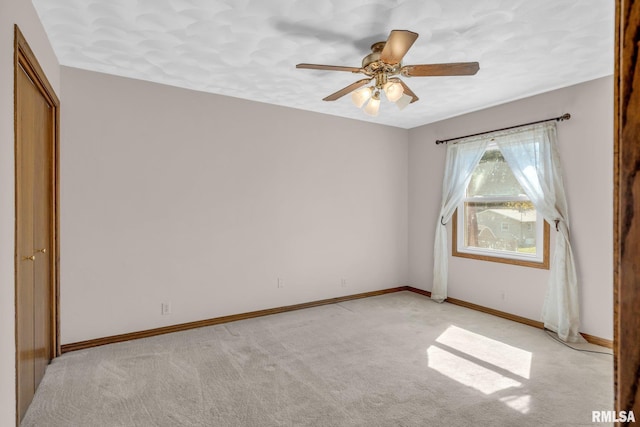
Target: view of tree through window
497,213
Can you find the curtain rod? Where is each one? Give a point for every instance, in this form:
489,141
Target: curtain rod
561,118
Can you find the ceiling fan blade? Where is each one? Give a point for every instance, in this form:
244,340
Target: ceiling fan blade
451,69
342,92
329,67
397,45
406,89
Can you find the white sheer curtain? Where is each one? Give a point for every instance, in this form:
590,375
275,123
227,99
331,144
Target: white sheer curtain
462,158
531,153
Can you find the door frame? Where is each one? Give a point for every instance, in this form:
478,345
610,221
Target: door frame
25,60
626,208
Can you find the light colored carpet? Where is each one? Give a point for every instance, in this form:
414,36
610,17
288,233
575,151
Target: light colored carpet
394,360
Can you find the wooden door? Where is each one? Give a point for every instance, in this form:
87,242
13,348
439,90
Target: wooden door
25,318
36,113
42,237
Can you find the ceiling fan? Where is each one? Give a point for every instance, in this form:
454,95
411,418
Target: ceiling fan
383,65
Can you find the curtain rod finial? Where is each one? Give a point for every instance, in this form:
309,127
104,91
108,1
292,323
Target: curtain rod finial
565,116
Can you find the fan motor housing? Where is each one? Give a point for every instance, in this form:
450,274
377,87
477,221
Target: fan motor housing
372,64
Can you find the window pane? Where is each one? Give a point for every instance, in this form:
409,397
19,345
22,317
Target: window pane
502,226
493,177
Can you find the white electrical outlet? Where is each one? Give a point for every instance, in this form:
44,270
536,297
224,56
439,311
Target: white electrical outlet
503,295
344,283
280,282
165,308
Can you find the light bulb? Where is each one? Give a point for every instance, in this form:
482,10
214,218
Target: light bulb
360,96
373,105
403,101
393,90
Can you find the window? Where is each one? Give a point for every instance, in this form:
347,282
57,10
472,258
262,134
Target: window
496,221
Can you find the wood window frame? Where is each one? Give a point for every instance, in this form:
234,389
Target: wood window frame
524,263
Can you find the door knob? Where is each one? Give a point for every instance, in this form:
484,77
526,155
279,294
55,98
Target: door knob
29,258
43,250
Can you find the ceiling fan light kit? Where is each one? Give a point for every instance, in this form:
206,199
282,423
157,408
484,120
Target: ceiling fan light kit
383,64
373,105
394,91
360,96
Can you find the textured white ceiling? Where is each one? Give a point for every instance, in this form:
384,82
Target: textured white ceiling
249,48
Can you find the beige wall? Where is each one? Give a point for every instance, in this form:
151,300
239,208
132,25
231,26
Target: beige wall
205,201
12,12
586,148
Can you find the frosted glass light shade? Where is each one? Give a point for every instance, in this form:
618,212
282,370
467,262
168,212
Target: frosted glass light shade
393,90
372,107
360,96
403,101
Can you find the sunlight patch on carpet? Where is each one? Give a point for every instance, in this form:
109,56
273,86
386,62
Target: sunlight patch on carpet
482,363
519,403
